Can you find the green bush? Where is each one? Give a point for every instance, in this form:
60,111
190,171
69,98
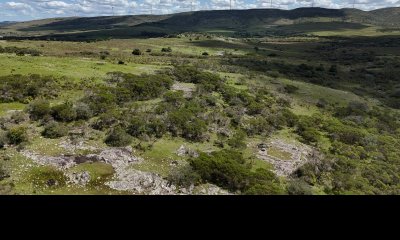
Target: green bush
17,135
117,137
39,109
64,112
137,52
167,49
228,169
55,130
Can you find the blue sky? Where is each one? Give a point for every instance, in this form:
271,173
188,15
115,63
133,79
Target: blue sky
18,10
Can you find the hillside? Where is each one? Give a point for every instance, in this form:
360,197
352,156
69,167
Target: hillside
236,22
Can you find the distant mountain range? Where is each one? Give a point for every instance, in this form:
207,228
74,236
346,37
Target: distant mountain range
6,23
222,21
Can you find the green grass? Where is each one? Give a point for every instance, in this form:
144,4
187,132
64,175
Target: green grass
73,68
279,153
6,107
163,153
99,172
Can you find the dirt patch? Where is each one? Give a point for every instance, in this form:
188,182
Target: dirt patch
187,88
285,157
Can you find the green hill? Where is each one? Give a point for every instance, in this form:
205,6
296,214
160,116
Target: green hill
236,22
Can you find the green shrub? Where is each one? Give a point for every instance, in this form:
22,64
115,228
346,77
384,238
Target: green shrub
137,52
117,137
167,49
55,130
39,109
64,112
228,169
17,135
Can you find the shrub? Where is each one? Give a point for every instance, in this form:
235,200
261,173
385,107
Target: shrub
64,112
137,52
228,169
3,139
39,109
291,89
17,135
83,111
205,54
238,140
55,130
168,49
184,176
117,137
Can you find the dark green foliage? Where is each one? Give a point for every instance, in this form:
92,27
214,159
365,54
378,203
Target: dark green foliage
228,169
291,88
17,135
206,80
100,99
55,130
20,51
83,111
117,137
144,87
64,112
184,176
19,88
299,187
39,109
167,49
238,140
175,98
3,139
137,52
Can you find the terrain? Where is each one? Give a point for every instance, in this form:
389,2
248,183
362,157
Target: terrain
216,102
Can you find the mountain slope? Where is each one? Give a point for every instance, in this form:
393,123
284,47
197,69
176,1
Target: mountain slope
254,20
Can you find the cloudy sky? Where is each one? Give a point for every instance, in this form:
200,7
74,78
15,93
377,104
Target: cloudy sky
18,10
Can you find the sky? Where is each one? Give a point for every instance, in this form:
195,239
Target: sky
21,10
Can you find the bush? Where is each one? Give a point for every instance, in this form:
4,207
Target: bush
205,54
55,130
168,49
64,112
238,140
137,52
228,169
83,111
39,109
184,176
3,139
17,135
117,137
291,89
